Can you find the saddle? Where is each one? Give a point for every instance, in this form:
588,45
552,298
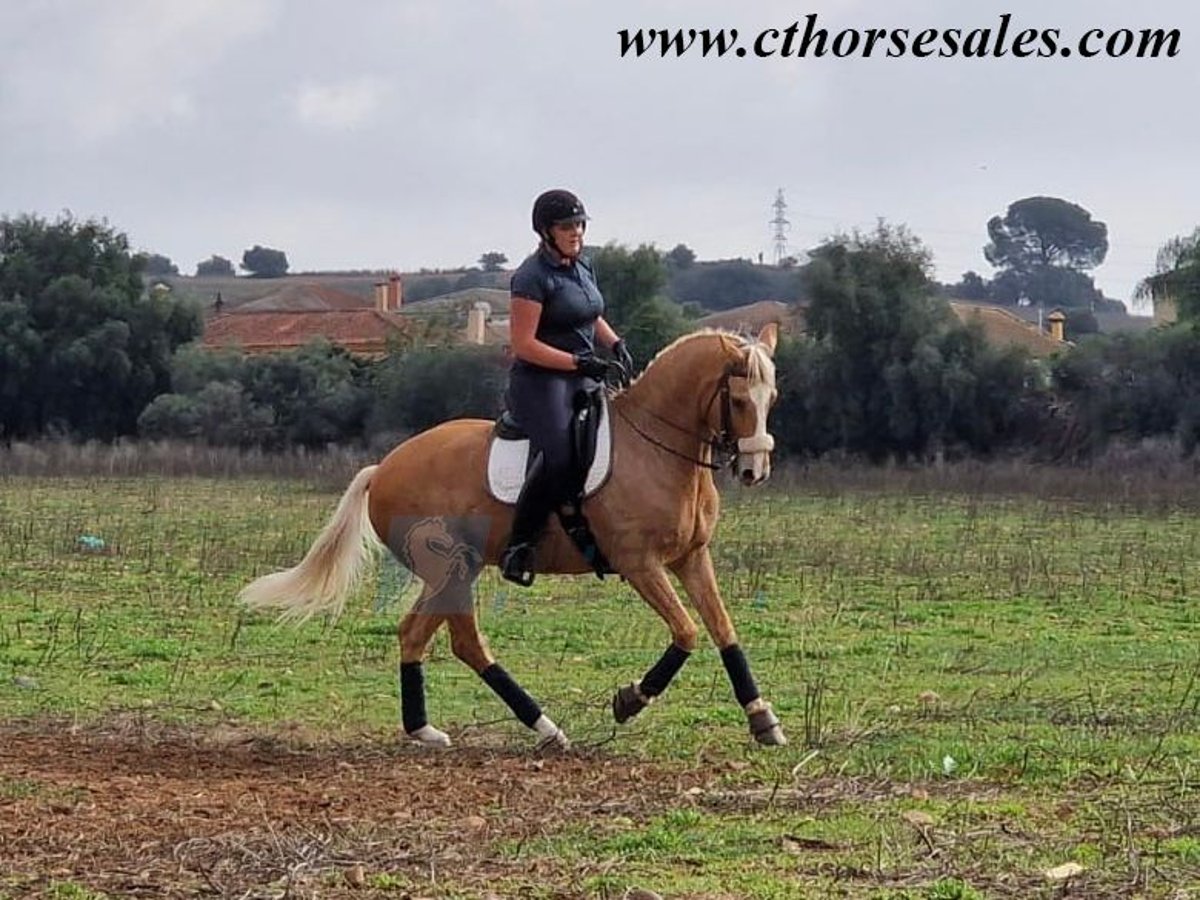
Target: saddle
591,458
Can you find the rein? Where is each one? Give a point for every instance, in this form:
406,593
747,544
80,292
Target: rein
720,443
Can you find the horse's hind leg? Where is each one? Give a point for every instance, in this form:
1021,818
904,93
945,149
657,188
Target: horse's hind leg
470,646
416,631
655,588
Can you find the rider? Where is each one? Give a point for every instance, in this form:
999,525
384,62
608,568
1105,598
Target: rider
556,321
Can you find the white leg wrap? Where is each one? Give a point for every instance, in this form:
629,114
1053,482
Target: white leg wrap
430,736
551,735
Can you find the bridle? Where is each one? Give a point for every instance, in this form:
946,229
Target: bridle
722,442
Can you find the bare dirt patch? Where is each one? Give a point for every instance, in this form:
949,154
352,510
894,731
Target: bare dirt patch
136,809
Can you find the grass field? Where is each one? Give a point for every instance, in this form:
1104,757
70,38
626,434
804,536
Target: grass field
979,691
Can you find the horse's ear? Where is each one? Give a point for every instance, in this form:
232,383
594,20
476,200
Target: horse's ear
769,336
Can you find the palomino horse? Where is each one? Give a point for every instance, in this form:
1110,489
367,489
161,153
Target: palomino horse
707,392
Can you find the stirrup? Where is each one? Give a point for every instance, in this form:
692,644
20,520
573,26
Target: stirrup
516,564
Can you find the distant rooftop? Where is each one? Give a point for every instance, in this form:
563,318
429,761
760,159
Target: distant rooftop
362,331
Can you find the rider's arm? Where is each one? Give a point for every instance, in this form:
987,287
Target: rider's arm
524,315
605,336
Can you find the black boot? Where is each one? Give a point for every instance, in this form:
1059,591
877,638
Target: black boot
538,496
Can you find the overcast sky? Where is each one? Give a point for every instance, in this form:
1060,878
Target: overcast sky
395,133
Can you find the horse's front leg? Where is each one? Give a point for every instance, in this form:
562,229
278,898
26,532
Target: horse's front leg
695,571
654,585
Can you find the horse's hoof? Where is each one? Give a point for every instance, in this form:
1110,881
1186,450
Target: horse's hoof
556,741
765,727
428,736
627,702
772,737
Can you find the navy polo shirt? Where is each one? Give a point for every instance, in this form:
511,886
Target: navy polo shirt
570,300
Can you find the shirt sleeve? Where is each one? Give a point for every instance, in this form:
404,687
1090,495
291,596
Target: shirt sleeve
526,283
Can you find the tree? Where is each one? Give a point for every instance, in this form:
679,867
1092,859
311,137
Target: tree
157,265
1046,231
1047,286
632,282
681,256
83,346
1037,242
316,393
215,267
1131,385
1176,277
893,373
492,261
311,396
264,262
419,389
724,285
970,287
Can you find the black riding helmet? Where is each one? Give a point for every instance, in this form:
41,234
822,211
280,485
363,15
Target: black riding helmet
556,207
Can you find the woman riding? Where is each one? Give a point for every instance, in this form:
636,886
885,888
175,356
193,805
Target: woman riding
556,322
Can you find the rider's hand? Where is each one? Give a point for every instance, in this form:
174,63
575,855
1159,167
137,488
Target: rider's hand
625,358
587,363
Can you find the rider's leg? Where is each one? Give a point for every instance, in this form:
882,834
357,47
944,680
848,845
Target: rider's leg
542,405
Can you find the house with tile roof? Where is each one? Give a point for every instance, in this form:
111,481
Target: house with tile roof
305,296
299,313
1004,328
1001,326
363,332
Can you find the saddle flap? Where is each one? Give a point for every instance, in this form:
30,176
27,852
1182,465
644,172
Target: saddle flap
585,426
508,456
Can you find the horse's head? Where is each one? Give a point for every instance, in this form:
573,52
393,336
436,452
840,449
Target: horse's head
731,379
742,403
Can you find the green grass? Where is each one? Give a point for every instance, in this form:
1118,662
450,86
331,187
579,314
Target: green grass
1048,651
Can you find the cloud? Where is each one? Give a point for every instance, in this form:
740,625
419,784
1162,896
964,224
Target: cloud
96,71
339,106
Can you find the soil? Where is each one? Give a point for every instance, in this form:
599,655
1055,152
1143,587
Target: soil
138,809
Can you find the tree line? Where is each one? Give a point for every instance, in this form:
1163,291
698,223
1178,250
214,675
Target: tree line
885,370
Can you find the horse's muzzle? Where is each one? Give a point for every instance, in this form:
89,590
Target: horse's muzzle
753,463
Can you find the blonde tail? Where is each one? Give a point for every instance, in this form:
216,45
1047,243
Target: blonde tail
330,570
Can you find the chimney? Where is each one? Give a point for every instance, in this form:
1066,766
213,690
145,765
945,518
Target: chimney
395,293
477,322
1057,320
389,294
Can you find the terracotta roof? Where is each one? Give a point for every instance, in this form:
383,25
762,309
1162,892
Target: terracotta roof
308,295
1000,325
365,331
753,316
1003,327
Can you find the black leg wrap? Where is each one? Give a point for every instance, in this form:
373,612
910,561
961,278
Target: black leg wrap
524,707
412,696
656,680
738,668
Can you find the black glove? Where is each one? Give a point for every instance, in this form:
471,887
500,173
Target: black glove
625,358
586,363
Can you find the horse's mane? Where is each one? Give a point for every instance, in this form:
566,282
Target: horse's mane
759,366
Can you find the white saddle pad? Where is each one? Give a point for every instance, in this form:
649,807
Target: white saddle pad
507,459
